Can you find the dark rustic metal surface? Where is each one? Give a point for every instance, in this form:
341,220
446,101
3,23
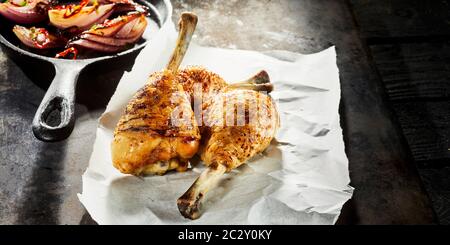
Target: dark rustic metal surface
381,19
416,76
410,45
40,180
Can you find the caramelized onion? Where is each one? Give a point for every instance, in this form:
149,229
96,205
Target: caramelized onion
115,1
105,37
88,44
24,12
126,29
124,6
111,27
38,38
106,40
79,16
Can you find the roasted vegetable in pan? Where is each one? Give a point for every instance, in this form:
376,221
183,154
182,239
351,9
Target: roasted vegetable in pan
38,38
102,26
113,35
25,11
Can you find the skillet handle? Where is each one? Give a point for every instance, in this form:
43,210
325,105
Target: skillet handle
55,118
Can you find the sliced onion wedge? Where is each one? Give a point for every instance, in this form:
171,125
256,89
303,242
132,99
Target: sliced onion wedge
24,12
115,1
109,28
105,37
124,5
38,38
106,40
126,29
138,29
92,45
82,18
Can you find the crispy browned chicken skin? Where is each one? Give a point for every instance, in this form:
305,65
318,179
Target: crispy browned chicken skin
205,86
147,139
239,125
237,122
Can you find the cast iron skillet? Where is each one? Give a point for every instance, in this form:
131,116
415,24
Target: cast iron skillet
60,96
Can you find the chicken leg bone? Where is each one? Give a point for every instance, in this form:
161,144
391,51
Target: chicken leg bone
258,82
187,24
189,203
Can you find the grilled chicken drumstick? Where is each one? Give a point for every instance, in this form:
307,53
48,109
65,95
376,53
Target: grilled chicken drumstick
235,131
146,139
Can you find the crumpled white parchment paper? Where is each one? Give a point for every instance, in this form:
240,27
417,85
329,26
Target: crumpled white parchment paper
302,178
